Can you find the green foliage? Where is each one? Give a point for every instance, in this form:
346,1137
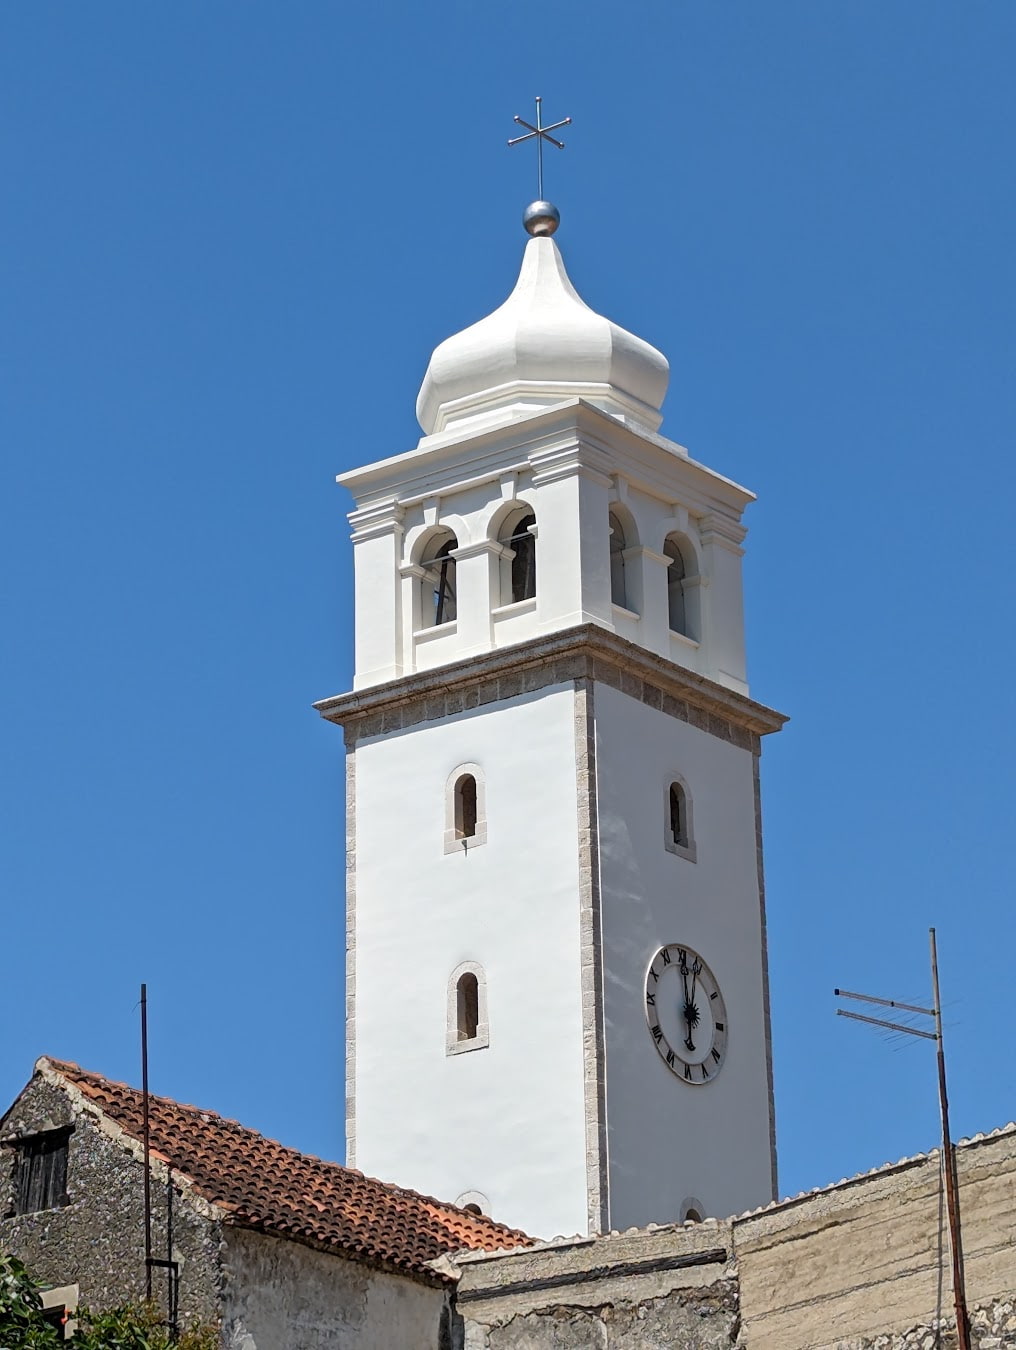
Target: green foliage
23,1327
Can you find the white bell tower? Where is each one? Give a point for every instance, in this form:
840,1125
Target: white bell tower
557,1000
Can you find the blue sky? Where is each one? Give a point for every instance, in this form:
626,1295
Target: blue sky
231,236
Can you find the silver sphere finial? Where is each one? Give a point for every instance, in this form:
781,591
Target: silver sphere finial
541,218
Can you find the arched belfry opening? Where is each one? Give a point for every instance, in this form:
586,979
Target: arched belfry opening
618,570
438,598
518,537
682,597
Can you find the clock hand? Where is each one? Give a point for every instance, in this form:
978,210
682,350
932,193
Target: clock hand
691,1012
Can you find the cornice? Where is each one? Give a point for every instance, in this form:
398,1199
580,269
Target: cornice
585,652
449,463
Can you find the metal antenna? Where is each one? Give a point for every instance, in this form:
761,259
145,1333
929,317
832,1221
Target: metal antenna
146,1137
170,1266
541,134
952,1198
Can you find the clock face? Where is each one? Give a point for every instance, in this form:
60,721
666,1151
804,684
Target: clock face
685,1012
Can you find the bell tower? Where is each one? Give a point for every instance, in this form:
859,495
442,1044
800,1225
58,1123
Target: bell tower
557,1001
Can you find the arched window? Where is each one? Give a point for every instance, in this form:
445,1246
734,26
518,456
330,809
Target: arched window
467,1004
682,602
465,807
438,598
473,1202
467,1009
678,836
618,544
518,575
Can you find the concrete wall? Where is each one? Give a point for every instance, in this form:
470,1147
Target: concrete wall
863,1265
281,1296
670,1141
97,1241
507,1120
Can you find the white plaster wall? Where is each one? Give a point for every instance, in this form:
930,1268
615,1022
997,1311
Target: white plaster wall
667,1140
570,482
507,1120
282,1296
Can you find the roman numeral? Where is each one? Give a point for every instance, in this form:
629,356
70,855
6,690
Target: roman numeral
657,1033
666,957
705,1072
714,995
651,1000
716,1054
682,956
687,1072
653,973
670,1058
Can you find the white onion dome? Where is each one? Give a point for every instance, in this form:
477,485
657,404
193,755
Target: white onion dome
543,345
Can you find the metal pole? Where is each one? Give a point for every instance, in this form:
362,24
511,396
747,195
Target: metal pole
539,148
952,1199
147,1143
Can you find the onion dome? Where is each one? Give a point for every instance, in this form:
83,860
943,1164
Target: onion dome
543,345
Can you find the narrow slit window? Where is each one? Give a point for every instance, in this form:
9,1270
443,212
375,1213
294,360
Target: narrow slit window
465,807
468,1006
679,815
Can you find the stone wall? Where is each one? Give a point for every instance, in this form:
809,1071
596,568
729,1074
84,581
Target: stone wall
863,1265
278,1294
97,1241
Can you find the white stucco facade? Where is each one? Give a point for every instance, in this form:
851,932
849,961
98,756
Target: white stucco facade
448,1124
669,1141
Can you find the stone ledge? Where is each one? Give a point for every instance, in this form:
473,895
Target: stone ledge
584,652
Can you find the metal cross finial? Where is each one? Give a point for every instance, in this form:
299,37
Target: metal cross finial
541,133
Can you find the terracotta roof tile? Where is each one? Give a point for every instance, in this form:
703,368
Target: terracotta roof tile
264,1185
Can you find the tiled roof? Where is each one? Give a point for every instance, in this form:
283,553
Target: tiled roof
263,1185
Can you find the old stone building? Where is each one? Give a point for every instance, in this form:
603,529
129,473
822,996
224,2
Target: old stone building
281,1249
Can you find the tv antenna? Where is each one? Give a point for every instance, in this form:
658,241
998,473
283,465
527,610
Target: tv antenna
952,1198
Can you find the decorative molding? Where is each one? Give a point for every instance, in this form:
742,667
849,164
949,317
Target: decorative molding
351,958
587,651
765,975
724,531
576,459
591,964
370,522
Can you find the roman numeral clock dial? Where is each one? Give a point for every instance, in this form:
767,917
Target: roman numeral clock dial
686,1015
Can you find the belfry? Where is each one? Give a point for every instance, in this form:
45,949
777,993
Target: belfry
557,994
